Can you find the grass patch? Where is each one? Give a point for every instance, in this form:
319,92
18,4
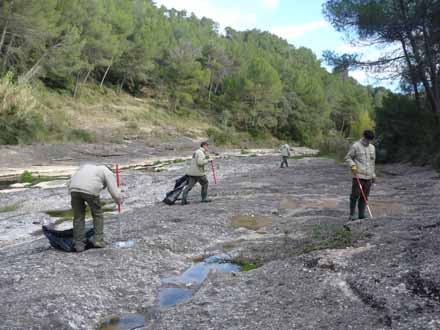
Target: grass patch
28,177
331,237
9,208
247,264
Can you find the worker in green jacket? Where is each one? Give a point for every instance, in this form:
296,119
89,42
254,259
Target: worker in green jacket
361,158
85,186
196,173
285,154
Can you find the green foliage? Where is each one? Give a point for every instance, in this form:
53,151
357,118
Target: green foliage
399,138
252,83
334,146
9,208
27,177
81,135
19,120
331,237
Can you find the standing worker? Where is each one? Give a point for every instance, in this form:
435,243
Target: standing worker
361,158
85,186
196,173
285,154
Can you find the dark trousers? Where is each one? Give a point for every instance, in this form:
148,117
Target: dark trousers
356,196
192,180
78,202
284,161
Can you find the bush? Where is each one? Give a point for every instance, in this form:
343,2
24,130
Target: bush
81,135
27,177
19,120
334,146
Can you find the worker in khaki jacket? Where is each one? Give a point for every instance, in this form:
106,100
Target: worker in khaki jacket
85,186
285,154
196,173
361,159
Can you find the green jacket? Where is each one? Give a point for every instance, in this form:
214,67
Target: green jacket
92,179
198,162
364,157
285,150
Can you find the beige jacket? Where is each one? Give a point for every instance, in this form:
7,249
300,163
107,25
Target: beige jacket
198,162
364,157
92,179
285,150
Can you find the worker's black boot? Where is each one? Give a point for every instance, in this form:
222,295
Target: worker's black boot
361,207
352,208
205,197
184,198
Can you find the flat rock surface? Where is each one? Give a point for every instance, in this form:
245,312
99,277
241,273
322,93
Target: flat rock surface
313,273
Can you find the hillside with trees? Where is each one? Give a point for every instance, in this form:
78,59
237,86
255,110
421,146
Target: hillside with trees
235,82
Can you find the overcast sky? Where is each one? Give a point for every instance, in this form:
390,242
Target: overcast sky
300,22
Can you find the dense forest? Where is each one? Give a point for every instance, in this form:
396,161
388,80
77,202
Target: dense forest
243,81
249,81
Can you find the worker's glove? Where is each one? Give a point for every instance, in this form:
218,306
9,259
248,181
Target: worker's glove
354,170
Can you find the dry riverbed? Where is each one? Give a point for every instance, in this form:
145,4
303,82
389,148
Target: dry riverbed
293,263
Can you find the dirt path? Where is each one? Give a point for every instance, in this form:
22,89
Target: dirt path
288,222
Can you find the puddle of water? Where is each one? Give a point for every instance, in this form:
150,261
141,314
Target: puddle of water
198,273
39,181
384,208
68,214
176,288
124,244
7,184
124,322
169,297
253,222
293,204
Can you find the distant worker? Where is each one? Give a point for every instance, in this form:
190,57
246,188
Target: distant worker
361,158
285,154
196,173
85,187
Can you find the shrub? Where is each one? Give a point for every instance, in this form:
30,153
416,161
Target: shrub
27,177
334,146
81,135
19,120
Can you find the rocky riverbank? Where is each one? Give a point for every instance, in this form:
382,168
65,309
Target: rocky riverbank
311,271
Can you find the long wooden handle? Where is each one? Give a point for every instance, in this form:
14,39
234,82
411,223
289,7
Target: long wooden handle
364,197
118,183
213,172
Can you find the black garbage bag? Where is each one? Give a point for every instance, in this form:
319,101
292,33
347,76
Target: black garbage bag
63,239
172,196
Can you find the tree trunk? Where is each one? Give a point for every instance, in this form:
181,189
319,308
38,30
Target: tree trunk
2,40
76,84
210,91
413,74
87,76
105,74
121,85
5,59
421,69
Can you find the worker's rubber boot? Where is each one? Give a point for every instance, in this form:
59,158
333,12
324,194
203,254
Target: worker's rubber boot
361,207
184,198
98,224
353,201
205,197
